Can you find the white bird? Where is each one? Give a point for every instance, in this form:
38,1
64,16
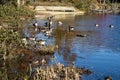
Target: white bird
50,24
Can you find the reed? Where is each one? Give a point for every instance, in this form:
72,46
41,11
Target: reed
59,72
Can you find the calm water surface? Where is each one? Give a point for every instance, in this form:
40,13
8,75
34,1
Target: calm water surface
99,51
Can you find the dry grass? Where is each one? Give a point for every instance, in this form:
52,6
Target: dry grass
59,72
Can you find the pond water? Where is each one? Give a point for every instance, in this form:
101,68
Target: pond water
99,51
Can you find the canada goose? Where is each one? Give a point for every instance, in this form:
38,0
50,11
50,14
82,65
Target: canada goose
49,18
97,25
70,28
48,33
111,26
50,24
42,42
35,24
80,35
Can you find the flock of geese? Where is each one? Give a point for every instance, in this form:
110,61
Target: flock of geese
85,35
110,26
49,30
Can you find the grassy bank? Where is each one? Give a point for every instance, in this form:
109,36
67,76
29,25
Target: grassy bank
11,24
12,21
14,16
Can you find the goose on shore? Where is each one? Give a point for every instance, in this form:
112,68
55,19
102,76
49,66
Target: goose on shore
42,42
50,23
49,32
35,24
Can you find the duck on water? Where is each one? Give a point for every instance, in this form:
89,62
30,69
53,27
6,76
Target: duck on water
81,35
111,26
70,28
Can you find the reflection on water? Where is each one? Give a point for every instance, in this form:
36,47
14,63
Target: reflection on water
99,51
